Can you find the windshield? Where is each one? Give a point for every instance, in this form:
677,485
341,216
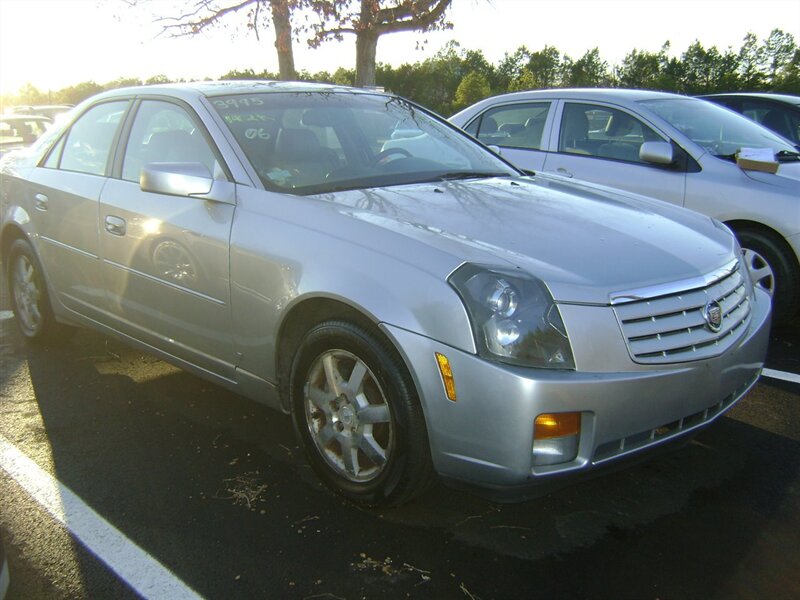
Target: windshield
720,131
308,143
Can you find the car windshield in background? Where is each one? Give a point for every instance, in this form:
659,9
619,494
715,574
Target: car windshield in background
717,129
315,143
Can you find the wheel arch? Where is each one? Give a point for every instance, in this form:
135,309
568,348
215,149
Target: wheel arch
304,315
738,225
11,232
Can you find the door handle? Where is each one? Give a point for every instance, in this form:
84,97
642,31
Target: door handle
40,201
115,225
564,172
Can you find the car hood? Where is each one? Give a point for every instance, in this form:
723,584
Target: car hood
584,241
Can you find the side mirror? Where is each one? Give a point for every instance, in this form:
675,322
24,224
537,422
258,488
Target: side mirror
496,149
189,180
658,153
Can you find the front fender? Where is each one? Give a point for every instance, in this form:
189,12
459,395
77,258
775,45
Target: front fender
16,223
276,265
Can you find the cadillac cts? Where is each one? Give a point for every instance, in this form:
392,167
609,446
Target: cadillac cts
418,305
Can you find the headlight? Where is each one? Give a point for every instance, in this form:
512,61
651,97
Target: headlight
513,316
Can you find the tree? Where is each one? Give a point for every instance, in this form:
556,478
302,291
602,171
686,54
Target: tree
78,93
512,66
157,79
200,15
544,65
640,69
779,49
789,79
708,71
342,76
473,87
751,63
434,82
29,94
121,82
248,74
370,19
588,71
524,81
672,70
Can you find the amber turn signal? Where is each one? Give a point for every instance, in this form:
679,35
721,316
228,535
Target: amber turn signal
552,425
447,376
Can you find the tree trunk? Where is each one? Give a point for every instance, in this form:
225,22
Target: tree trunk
366,51
283,38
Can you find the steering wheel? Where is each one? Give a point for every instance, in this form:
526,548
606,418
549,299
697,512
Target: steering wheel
381,156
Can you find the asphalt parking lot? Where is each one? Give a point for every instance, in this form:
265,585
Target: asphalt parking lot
121,476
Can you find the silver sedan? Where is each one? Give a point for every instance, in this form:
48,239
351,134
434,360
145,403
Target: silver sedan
418,305
681,150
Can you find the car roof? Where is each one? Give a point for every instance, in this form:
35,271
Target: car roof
787,98
23,117
223,88
593,93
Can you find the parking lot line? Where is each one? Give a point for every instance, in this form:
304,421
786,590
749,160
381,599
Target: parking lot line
143,573
782,375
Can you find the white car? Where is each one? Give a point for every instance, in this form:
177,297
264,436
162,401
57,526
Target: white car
670,147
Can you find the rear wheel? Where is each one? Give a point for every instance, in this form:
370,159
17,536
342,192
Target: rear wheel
30,300
773,270
358,417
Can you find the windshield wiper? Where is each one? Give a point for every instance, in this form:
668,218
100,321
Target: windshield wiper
459,175
787,156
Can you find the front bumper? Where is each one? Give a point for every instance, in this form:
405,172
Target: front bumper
485,437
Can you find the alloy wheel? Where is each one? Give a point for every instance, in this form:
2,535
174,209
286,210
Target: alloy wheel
348,416
27,293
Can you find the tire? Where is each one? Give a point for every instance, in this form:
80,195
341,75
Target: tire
773,270
358,417
30,299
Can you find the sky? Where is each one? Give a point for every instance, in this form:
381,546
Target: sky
56,43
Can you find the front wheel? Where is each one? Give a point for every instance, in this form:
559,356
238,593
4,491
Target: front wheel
358,417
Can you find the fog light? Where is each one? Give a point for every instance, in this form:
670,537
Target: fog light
555,438
447,376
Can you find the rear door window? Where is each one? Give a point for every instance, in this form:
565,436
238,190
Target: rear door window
512,126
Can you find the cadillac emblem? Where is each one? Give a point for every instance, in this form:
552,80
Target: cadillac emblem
712,313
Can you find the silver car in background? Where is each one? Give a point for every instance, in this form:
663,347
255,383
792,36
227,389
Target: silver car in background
674,148
418,305
19,131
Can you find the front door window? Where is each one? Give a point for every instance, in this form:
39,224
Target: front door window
603,132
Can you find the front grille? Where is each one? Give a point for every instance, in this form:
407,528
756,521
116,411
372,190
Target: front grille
671,327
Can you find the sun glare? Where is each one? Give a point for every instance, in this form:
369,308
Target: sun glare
101,41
